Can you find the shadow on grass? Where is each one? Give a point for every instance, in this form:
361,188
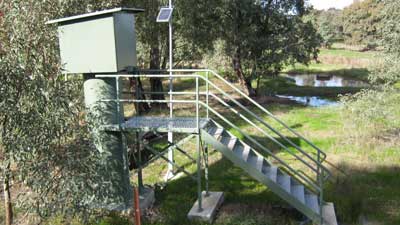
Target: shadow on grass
372,194
242,195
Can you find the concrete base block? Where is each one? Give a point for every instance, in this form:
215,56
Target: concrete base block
210,205
146,198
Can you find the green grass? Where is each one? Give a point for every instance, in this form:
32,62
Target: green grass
348,53
364,184
365,177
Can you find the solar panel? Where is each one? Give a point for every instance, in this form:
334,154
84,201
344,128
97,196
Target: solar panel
164,15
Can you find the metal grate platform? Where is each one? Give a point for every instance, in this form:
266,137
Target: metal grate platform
160,124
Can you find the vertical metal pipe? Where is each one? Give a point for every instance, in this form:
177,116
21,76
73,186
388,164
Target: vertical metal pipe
137,134
206,169
320,181
118,100
198,148
197,106
199,196
171,109
207,93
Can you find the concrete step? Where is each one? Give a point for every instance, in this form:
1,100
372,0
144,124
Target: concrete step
328,213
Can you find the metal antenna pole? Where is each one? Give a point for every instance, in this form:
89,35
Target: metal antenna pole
171,109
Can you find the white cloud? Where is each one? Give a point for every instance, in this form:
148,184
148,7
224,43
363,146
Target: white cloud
326,4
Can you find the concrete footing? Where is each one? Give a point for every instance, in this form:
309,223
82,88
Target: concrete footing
210,205
146,198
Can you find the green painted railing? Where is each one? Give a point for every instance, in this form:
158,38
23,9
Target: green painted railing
315,164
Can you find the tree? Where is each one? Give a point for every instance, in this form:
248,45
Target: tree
379,105
328,24
193,23
362,22
262,36
42,136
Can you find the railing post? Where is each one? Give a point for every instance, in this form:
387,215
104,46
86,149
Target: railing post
206,169
321,185
137,134
200,208
207,93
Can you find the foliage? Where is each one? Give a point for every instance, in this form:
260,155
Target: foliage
373,113
261,37
376,112
41,130
192,25
362,22
328,24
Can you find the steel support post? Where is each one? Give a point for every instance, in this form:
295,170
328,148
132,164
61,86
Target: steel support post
207,93
138,150
171,106
198,147
206,169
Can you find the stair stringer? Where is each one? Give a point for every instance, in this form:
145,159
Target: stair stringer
259,176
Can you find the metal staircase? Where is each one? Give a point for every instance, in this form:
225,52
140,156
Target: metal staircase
301,187
280,182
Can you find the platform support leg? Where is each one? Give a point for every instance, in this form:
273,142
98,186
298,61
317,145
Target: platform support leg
139,162
200,208
206,169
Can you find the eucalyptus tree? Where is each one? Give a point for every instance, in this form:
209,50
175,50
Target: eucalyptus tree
262,36
379,104
44,144
362,22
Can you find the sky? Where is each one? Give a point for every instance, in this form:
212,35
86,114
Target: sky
326,4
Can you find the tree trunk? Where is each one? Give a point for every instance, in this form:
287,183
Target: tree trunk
244,83
141,107
7,197
156,83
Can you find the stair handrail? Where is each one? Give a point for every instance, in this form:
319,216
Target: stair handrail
256,104
317,185
275,131
320,153
265,133
320,168
305,178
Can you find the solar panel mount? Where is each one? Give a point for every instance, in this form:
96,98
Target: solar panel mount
165,14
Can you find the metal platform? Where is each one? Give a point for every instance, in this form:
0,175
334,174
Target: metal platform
160,124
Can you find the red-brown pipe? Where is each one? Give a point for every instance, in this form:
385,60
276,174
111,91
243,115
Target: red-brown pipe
137,207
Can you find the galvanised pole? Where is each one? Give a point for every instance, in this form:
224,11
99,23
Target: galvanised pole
206,145
137,134
171,109
200,208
